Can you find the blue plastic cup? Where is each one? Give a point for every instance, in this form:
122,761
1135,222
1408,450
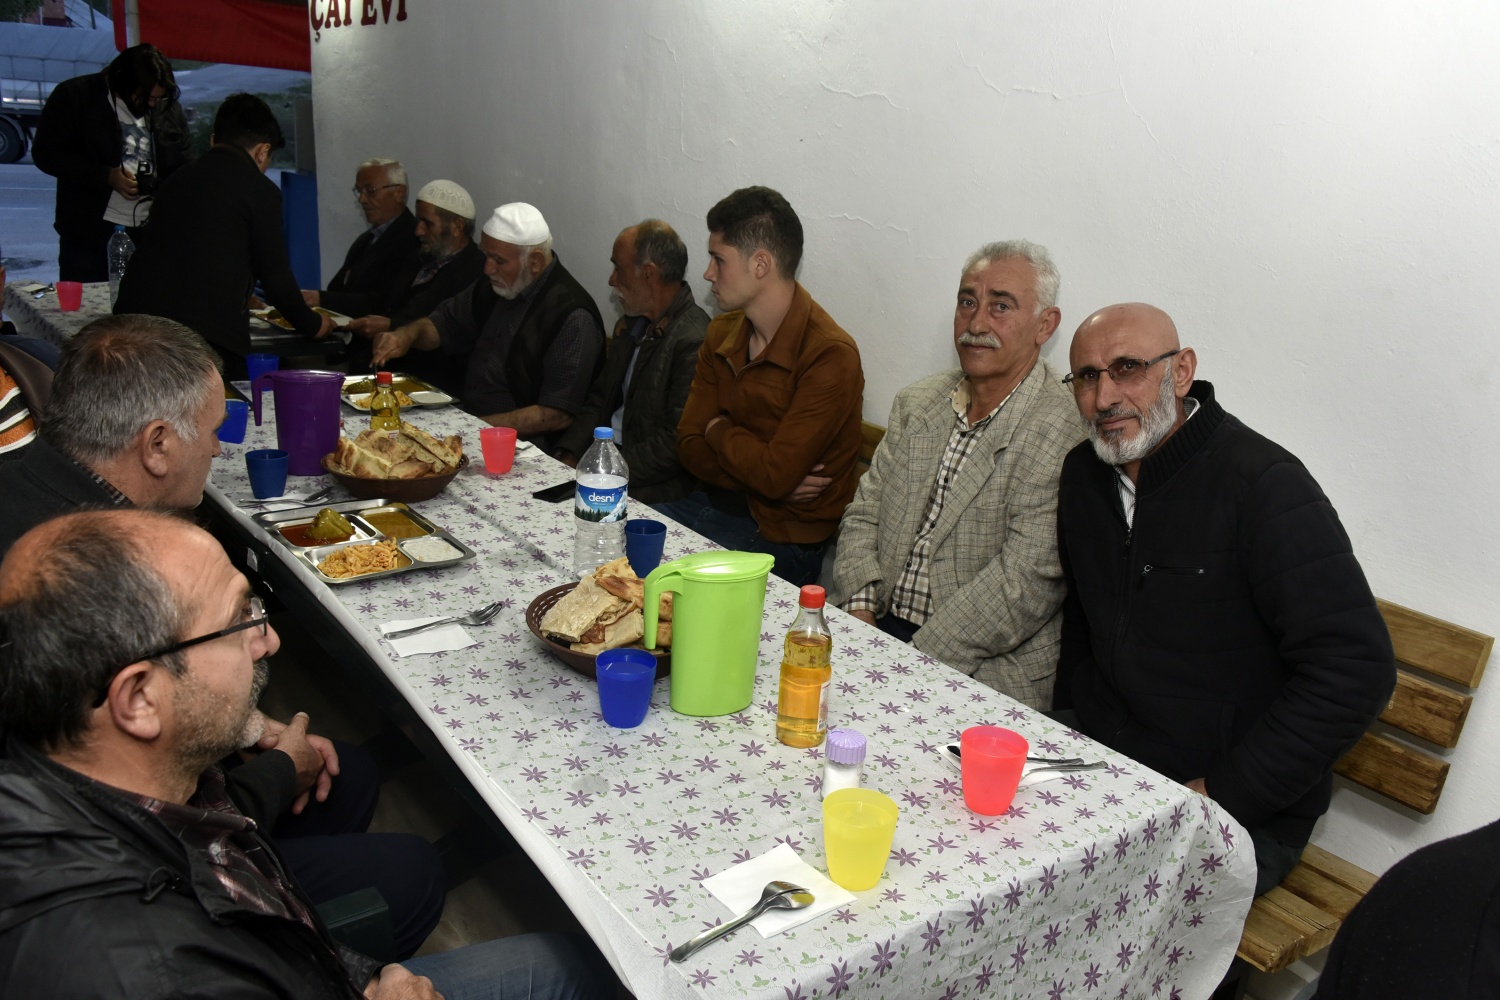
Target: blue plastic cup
236,413
644,541
626,677
258,364
267,468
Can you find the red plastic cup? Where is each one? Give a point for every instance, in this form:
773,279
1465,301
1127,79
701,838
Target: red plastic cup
499,447
992,761
69,295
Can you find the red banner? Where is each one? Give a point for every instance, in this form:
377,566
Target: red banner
242,32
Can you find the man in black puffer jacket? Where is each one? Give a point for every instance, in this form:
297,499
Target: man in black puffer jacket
125,868
1217,626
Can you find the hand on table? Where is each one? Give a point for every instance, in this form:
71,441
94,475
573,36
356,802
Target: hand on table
567,458
369,326
811,487
391,344
312,297
123,181
396,983
324,328
1198,786
316,759
868,617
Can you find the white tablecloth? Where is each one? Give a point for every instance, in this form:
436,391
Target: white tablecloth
1117,883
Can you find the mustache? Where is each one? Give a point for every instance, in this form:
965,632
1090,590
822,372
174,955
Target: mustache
1114,413
258,682
978,340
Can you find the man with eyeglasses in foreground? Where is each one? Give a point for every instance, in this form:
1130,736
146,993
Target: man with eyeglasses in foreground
131,657
132,422
950,542
1217,626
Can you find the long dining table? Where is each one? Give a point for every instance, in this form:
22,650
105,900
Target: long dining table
1110,883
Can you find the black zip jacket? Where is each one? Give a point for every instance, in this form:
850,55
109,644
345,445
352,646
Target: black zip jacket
99,899
1230,635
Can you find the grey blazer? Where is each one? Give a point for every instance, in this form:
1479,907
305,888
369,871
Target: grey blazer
997,586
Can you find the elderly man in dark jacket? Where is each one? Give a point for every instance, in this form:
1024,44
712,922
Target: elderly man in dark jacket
1217,626
131,656
648,371
96,133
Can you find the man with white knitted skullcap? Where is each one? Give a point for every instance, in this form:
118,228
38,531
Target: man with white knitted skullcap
447,259
531,334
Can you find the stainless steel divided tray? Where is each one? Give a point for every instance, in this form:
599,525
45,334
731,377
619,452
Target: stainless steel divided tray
421,393
373,521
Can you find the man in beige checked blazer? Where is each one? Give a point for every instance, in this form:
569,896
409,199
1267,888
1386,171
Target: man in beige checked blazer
951,540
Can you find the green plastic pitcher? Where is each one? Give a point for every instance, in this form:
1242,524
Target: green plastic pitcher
716,618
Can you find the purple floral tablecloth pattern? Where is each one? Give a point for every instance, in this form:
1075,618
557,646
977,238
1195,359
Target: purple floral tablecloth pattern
1116,883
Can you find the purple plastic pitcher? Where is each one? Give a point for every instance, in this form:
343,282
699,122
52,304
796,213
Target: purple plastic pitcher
307,415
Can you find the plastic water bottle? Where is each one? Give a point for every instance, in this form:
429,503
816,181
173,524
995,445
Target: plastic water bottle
599,501
121,246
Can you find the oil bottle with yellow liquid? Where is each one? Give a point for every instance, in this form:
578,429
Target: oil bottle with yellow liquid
802,703
385,408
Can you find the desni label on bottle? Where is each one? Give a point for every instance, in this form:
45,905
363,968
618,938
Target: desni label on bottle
600,503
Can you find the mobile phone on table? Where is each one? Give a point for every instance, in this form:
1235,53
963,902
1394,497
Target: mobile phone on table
555,494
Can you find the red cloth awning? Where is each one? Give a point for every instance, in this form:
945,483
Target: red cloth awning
271,33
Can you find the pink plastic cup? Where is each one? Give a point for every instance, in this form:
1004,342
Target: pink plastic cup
992,761
69,295
499,447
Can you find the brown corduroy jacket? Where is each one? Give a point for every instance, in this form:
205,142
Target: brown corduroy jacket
794,407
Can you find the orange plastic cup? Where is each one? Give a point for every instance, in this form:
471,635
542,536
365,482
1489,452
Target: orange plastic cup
992,760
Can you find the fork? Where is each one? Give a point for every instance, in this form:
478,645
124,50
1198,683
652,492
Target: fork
311,498
481,617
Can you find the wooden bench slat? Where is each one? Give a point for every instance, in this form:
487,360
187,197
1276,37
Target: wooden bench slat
1316,927
1428,710
870,437
1337,870
1410,776
1267,942
1321,891
1449,651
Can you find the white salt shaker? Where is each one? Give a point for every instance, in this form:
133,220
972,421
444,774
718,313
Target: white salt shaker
843,760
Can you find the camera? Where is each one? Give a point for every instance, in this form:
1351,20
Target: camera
145,177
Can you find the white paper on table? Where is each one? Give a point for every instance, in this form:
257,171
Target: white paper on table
435,640
739,888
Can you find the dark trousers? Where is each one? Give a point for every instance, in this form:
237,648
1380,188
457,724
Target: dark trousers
330,854
796,564
898,628
84,259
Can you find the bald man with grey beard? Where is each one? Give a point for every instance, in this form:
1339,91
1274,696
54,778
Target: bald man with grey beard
1217,626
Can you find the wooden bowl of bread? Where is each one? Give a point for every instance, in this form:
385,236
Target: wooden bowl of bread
578,621
409,466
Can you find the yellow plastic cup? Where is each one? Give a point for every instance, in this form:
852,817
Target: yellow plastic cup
858,826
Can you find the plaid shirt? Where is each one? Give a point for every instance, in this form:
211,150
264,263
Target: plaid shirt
911,595
222,838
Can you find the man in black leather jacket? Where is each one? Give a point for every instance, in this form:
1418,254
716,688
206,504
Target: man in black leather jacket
131,656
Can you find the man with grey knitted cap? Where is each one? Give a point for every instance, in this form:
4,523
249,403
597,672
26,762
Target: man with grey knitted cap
382,259
531,334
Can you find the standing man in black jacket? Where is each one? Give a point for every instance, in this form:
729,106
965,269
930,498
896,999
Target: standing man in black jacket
109,138
649,367
215,230
1217,626
131,656
382,260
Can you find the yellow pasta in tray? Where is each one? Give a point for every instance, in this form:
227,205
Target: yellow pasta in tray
362,560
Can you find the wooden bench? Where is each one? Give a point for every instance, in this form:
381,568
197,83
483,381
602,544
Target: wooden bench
871,436
1438,664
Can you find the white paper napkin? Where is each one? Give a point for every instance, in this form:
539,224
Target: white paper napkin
434,640
739,888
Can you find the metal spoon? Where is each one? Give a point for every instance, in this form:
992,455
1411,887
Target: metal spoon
308,500
775,896
1080,766
480,617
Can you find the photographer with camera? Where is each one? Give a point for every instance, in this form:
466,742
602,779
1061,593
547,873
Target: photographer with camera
109,138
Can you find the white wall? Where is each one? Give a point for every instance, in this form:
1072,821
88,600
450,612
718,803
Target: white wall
1310,190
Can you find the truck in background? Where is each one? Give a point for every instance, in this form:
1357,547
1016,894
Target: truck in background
33,60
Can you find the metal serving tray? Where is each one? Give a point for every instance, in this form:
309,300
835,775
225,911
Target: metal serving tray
422,393
364,534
